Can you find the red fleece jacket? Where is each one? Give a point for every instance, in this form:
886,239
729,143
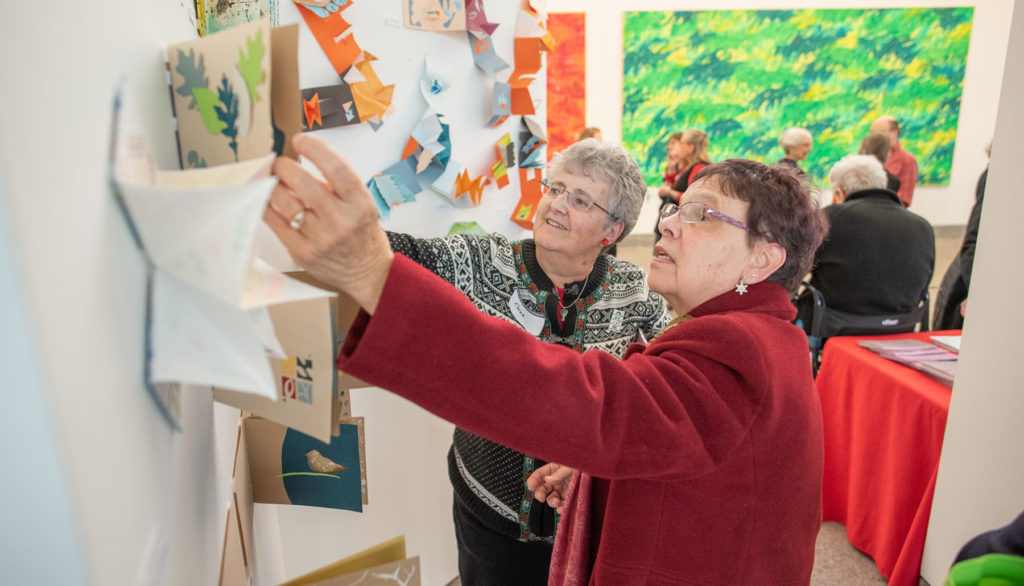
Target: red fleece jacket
705,446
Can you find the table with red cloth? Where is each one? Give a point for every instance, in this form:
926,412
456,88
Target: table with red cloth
884,424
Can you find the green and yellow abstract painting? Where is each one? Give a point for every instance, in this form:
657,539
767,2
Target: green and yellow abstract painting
744,76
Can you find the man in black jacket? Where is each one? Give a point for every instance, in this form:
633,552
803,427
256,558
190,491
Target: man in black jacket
878,257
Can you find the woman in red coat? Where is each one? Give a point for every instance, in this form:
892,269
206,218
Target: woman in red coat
699,455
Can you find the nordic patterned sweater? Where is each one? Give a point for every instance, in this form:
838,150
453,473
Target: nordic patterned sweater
613,304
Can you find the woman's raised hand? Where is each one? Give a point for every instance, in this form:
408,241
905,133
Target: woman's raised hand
330,226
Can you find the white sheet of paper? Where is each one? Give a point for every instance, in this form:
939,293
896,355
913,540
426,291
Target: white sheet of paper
204,236
201,340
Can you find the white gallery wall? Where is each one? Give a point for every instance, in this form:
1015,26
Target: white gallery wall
141,503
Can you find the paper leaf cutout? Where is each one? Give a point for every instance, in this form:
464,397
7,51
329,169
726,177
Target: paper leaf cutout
249,65
207,103
195,161
193,74
227,112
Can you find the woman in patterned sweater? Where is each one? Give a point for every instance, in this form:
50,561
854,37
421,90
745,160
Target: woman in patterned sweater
561,288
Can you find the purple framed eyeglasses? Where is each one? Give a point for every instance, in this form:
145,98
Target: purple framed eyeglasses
692,212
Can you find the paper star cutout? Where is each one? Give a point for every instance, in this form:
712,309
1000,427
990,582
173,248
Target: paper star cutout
312,109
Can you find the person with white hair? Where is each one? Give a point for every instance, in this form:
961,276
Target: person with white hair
878,256
796,142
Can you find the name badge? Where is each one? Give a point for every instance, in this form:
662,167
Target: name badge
532,322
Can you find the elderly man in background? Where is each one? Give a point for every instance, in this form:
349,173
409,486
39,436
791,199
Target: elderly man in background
796,142
878,257
900,163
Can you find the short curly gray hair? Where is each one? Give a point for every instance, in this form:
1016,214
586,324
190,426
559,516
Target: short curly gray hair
855,173
610,164
794,137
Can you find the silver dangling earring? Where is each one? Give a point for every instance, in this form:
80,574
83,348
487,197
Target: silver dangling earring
741,287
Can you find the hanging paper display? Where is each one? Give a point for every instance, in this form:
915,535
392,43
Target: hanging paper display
501,104
434,15
479,31
221,96
473,187
218,15
531,143
530,194
291,468
531,40
370,97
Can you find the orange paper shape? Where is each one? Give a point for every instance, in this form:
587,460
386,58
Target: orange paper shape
312,109
410,147
529,188
475,187
373,98
522,103
528,63
333,34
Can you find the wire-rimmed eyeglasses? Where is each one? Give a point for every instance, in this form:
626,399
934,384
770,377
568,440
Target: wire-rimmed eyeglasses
577,200
692,212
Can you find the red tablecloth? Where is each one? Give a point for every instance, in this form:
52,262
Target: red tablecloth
884,424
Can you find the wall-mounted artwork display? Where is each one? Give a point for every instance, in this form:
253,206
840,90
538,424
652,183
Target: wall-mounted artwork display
434,15
218,15
567,80
221,90
744,76
290,468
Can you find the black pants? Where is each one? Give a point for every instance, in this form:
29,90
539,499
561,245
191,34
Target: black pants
488,558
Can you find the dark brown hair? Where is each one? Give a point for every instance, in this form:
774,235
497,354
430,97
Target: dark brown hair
782,210
877,144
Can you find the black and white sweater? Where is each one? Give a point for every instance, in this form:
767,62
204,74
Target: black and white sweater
614,303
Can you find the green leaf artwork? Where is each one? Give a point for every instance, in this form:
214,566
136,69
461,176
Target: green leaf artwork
194,75
227,113
208,103
744,76
249,65
195,161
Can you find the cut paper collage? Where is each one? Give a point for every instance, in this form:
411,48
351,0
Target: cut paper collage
214,307
222,97
234,94
427,156
360,96
218,15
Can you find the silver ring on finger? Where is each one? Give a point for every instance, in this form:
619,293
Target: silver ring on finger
296,222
